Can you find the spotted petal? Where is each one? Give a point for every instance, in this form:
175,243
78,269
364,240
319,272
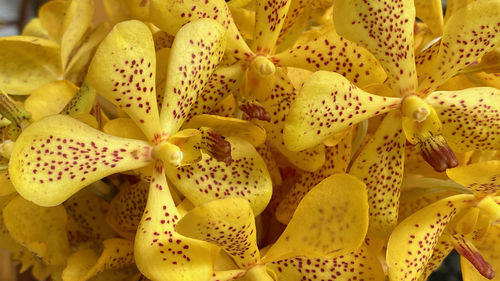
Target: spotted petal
385,28
470,118
463,42
57,156
229,223
482,177
412,242
321,226
431,13
331,52
123,71
246,176
380,166
489,249
198,47
269,18
328,104
160,252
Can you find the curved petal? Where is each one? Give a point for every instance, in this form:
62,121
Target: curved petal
229,223
385,28
412,242
124,128
51,16
488,246
246,176
469,117
321,226
295,18
482,177
269,18
431,13
463,42
226,107
380,166
198,47
57,156
49,99
82,102
123,71
328,104
34,28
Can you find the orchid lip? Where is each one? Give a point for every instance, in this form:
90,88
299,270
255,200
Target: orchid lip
437,153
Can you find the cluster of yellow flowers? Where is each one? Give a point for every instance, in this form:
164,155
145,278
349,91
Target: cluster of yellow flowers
199,140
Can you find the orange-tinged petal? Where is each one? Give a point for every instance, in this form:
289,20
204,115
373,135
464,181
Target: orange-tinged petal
328,104
412,242
463,42
482,177
57,156
469,117
431,13
228,223
198,48
160,252
49,99
51,16
320,226
171,15
246,177
269,18
386,30
26,63
380,166
331,52
123,71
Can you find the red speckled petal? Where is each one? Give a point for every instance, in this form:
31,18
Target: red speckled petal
482,177
331,52
269,18
431,13
321,225
440,251
228,223
412,242
160,252
380,166
385,28
57,156
198,47
463,42
328,104
489,248
336,161
171,15
246,176
470,118
226,107
361,264
278,107
123,71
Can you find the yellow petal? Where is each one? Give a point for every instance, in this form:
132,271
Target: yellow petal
266,153
412,242
79,264
328,104
6,186
269,18
226,107
463,42
51,17
228,223
117,253
123,71
117,10
482,177
49,99
244,20
124,128
198,47
160,252
82,102
77,19
488,247
57,156
27,63
294,24
331,52
246,176
42,230
441,250
469,117
320,226
386,30
431,13
380,166
467,250
34,28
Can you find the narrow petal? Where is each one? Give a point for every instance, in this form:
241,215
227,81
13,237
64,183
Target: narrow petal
49,99
123,71
412,242
431,13
482,177
26,63
470,118
328,104
269,18
228,223
43,233
246,177
386,30
321,226
296,14
331,52
463,42
160,252
198,47
380,166
58,156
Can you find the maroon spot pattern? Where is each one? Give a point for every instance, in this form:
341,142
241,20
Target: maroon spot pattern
269,18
